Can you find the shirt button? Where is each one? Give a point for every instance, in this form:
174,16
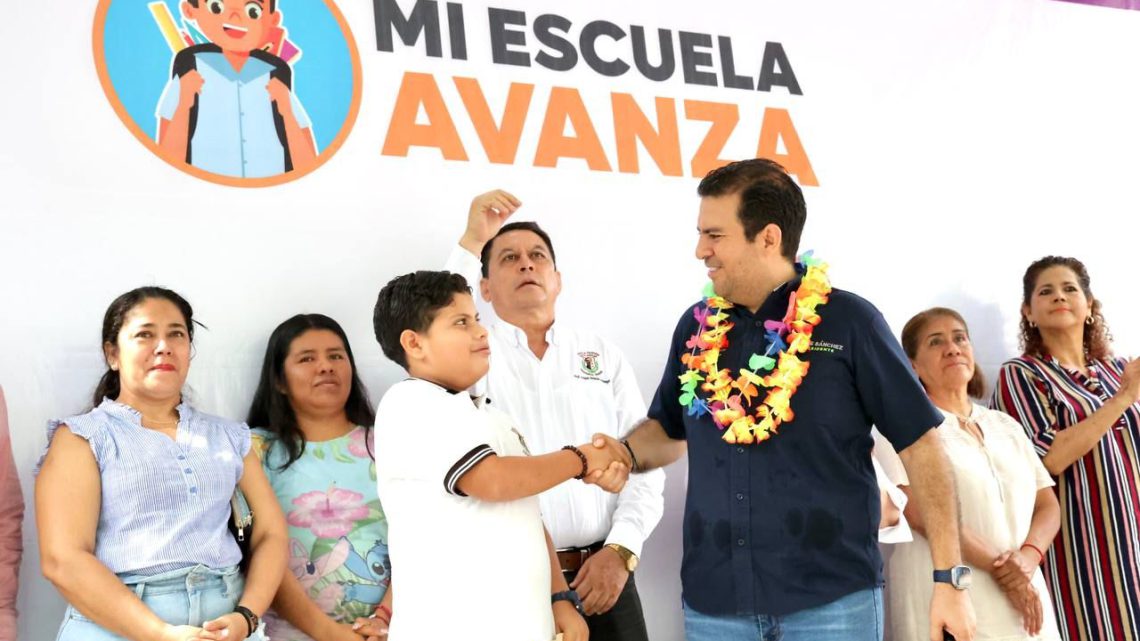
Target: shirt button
188,470
740,450
181,457
759,323
740,542
739,496
194,490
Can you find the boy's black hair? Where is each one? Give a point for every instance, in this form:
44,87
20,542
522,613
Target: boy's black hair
272,4
526,225
411,302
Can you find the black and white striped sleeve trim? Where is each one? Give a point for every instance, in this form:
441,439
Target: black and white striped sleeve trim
463,466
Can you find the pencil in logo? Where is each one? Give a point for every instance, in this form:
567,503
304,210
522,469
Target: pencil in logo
175,39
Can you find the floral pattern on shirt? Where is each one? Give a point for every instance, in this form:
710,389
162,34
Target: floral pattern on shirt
337,529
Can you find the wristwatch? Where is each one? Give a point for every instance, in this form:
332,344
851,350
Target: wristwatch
957,576
629,558
568,595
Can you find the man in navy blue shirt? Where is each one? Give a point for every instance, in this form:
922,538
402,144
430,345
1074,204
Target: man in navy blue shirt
780,536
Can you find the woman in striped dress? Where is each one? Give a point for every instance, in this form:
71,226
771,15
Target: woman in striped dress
1079,405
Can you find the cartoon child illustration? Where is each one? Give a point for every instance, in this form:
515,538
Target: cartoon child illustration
228,107
374,569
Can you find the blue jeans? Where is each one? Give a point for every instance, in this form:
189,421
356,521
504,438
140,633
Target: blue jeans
190,596
855,617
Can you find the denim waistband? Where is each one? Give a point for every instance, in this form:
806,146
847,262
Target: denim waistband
181,580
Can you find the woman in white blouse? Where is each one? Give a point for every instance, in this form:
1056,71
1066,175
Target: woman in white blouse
1008,510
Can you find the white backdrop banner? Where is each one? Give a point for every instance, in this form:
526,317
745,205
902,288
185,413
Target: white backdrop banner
942,146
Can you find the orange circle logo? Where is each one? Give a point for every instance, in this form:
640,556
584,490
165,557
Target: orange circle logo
231,91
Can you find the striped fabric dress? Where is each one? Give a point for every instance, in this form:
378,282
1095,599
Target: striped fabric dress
1092,566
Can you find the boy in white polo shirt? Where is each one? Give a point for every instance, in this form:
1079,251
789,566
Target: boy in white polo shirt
468,548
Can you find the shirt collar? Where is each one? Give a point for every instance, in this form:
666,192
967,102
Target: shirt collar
975,412
128,413
478,400
252,69
776,304
518,337
1091,366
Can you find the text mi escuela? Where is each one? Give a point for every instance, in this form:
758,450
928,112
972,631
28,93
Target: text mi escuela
500,140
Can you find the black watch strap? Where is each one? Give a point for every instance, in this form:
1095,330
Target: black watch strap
568,595
251,619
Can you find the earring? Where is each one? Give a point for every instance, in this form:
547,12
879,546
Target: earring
1033,325
1090,320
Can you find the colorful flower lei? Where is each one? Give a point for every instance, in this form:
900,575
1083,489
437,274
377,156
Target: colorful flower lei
730,400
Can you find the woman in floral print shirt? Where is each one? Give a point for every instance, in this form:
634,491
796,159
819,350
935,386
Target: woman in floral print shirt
315,438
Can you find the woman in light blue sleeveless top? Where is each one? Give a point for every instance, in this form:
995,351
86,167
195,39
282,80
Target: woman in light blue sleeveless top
133,497
316,447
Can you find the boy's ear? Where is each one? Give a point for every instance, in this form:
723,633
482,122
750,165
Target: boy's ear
485,289
275,17
413,347
187,9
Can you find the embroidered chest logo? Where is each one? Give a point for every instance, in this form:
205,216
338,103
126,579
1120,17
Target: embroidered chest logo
590,363
826,348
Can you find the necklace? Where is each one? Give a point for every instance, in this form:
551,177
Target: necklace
157,422
735,402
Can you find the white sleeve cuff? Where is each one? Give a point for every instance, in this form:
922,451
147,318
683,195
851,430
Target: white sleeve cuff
628,536
899,532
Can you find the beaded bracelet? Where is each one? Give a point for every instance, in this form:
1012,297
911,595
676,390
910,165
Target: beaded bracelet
582,457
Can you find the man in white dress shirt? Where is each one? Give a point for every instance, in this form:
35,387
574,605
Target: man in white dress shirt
562,384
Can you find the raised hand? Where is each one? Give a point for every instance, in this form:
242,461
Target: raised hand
1130,382
487,214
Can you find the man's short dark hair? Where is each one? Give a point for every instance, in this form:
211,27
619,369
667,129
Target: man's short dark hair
768,195
272,4
485,255
411,302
